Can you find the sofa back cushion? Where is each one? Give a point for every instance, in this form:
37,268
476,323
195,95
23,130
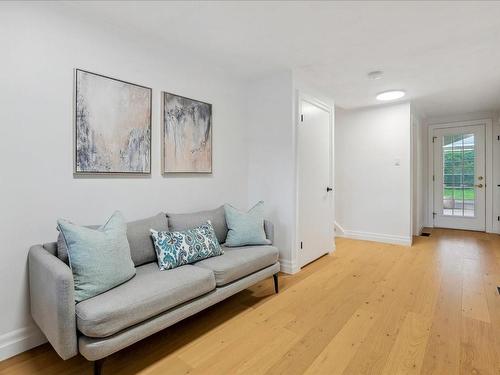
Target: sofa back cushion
180,222
141,244
142,247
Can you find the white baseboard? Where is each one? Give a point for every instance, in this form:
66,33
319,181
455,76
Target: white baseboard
377,237
334,248
19,341
339,231
419,231
288,267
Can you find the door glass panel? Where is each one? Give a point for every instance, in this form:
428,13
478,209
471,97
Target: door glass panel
459,158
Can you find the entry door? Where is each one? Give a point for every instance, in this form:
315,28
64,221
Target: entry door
315,190
459,178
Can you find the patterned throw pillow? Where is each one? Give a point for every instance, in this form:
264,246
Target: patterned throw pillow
174,249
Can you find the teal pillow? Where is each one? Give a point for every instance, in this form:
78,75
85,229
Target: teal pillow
99,258
245,228
174,249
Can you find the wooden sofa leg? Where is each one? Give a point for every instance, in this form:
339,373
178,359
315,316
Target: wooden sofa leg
276,285
98,366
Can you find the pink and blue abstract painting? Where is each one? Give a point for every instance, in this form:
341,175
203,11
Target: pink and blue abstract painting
112,126
187,135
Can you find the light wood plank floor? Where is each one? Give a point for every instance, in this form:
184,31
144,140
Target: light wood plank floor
368,309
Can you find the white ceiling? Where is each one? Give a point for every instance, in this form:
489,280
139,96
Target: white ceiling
446,55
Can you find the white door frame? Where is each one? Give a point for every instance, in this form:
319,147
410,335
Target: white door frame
488,178
302,96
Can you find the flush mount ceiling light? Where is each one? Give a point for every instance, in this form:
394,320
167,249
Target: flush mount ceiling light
390,95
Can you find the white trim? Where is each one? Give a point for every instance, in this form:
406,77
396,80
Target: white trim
413,161
289,267
339,230
334,247
489,178
378,237
429,217
496,176
20,340
300,96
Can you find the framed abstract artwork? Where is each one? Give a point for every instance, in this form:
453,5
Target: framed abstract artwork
187,135
112,126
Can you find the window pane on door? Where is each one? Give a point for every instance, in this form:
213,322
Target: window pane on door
458,175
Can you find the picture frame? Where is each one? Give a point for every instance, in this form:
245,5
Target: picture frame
187,135
112,126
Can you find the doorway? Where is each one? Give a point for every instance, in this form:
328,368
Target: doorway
459,176
315,221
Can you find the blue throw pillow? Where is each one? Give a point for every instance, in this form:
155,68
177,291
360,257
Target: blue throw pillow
174,249
245,228
99,258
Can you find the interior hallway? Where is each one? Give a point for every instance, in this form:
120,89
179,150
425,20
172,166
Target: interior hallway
369,308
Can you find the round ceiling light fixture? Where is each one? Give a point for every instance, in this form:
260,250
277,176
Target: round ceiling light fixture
376,74
390,95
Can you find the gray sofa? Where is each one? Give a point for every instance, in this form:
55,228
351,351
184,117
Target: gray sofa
149,302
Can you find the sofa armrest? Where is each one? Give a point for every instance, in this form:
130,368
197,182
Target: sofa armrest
52,300
269,229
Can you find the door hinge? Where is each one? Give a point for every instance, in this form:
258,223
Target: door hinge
498,218
498,137
434,215
433,178
301,247
434,139
301,118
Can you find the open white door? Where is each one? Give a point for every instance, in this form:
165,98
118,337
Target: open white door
315,233
459,178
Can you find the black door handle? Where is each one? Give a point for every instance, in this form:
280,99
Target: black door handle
328,189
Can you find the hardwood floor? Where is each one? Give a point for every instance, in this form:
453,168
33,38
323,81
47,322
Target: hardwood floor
370,308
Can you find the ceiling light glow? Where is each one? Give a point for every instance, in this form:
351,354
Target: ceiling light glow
390,95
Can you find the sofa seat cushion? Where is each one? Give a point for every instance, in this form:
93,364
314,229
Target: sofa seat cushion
238,262
149,293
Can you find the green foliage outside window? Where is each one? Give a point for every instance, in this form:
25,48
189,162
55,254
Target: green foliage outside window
459,174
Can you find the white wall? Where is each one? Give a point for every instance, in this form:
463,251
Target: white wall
272,123
40,49
271,145
373,195
419,180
